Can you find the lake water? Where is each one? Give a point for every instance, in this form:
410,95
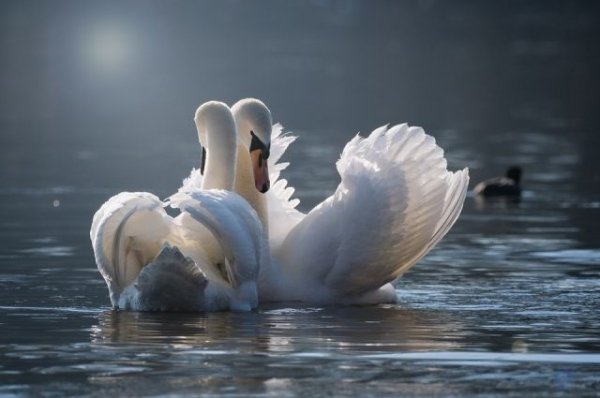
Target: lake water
506,304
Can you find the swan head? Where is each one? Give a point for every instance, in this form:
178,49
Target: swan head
218,138
210,112
254,123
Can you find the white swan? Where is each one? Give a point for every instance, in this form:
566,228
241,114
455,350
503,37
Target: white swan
206,258
396,200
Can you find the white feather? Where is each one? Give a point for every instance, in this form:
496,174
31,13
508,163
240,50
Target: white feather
153,262
395,201
205,259
280,204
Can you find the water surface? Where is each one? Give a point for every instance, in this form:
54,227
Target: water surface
506,304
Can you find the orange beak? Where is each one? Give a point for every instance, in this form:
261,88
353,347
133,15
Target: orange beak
261,171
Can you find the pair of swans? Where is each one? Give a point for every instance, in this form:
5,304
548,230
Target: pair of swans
395,201
205,259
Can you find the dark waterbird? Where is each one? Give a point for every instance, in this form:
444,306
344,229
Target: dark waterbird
506,186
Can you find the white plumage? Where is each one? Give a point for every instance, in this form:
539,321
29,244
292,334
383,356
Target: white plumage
205,259
395,201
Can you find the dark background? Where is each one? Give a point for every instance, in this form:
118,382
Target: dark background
81,75
98,97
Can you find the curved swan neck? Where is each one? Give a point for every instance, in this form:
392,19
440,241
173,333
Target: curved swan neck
217,133
251,117
244,186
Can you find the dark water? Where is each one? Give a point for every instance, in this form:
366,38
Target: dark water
506,304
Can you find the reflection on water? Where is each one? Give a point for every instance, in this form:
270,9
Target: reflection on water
506,304
289,351
287,330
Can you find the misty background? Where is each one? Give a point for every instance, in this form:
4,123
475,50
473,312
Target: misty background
98,97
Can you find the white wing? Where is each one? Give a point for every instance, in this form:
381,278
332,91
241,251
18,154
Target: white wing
132,237
192,183
127,232
396,200
238,231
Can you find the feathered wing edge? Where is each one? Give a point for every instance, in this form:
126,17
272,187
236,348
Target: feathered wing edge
402,171
131,232
280,204
238,230
115,234
191,183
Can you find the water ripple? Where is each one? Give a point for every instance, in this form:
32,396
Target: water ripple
50,251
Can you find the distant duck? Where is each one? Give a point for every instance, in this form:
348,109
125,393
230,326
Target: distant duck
509,186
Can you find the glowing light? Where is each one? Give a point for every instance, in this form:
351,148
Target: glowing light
109,48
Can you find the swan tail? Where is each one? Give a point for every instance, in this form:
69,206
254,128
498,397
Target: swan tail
127,232
395,201
171,282
281,205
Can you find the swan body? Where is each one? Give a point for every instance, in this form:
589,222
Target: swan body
205,259
395,201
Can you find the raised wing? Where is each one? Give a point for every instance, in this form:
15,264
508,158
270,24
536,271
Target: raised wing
396,200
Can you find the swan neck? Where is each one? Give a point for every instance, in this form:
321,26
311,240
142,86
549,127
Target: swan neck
218,129
245,187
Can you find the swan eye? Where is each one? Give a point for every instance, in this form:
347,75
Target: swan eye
203,162
256,143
